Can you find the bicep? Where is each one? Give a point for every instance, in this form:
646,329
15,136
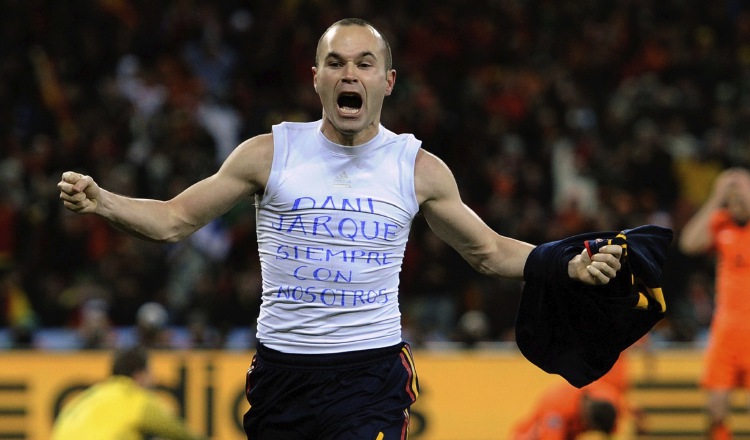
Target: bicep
486,251
244,173
456,224
442,207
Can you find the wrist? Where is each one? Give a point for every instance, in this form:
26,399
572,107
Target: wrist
103,204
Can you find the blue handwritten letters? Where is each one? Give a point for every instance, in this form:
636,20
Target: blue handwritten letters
338,251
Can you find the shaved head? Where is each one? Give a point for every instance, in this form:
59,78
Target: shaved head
358,22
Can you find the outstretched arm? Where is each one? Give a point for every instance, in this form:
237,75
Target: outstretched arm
486,251
243,173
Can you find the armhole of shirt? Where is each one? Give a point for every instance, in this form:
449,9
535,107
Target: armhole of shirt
280,143
413,145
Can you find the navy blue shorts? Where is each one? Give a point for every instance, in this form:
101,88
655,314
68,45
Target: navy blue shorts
359,395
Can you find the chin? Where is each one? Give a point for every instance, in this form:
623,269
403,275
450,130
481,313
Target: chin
349,127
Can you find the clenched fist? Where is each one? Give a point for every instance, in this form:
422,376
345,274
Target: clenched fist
596,269
78,192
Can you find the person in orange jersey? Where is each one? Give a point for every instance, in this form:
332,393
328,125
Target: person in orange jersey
564,412
721,226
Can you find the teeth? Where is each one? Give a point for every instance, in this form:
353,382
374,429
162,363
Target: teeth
349,111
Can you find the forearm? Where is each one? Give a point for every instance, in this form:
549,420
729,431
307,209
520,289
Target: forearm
152,220
505,259
156,421
695,237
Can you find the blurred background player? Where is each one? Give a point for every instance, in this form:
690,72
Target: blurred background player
121,407
586,421
565,412
721,226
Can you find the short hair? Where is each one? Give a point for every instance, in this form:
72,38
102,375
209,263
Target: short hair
129,361
363,23
602,416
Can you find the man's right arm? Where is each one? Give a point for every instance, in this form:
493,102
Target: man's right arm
244,173
157,421
695,237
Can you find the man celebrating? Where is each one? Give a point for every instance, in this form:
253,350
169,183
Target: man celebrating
335,201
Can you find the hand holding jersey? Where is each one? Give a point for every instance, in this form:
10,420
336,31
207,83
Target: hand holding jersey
597,268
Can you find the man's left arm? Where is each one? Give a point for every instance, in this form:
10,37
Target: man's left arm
484,249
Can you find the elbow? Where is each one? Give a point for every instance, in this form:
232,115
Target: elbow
689,250
498,261
179,233
153,237
477,263
482,268
172,239
485,266
173,234
179,227
685,248
691,247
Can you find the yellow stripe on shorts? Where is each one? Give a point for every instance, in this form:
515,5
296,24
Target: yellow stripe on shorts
413,385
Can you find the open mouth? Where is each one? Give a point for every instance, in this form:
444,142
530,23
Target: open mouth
349,103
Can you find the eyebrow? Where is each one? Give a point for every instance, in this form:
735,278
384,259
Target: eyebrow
361,55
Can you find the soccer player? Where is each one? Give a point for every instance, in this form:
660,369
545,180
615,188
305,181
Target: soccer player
120,407
721,226
565,412
335,201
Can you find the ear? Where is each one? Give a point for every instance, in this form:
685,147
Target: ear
315,78
390,78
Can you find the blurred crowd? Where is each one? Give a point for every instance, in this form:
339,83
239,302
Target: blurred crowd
556,118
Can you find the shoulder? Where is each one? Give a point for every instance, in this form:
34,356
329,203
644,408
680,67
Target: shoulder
427,162
253,153
411,142
432,177
292,130
297,126
256,147
251,161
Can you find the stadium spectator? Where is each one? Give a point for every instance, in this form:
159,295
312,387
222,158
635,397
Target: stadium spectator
16,312
94,328
152,326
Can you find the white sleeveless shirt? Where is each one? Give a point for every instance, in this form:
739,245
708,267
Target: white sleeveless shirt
332,228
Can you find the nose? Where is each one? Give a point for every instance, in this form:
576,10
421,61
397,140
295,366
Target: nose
350,72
